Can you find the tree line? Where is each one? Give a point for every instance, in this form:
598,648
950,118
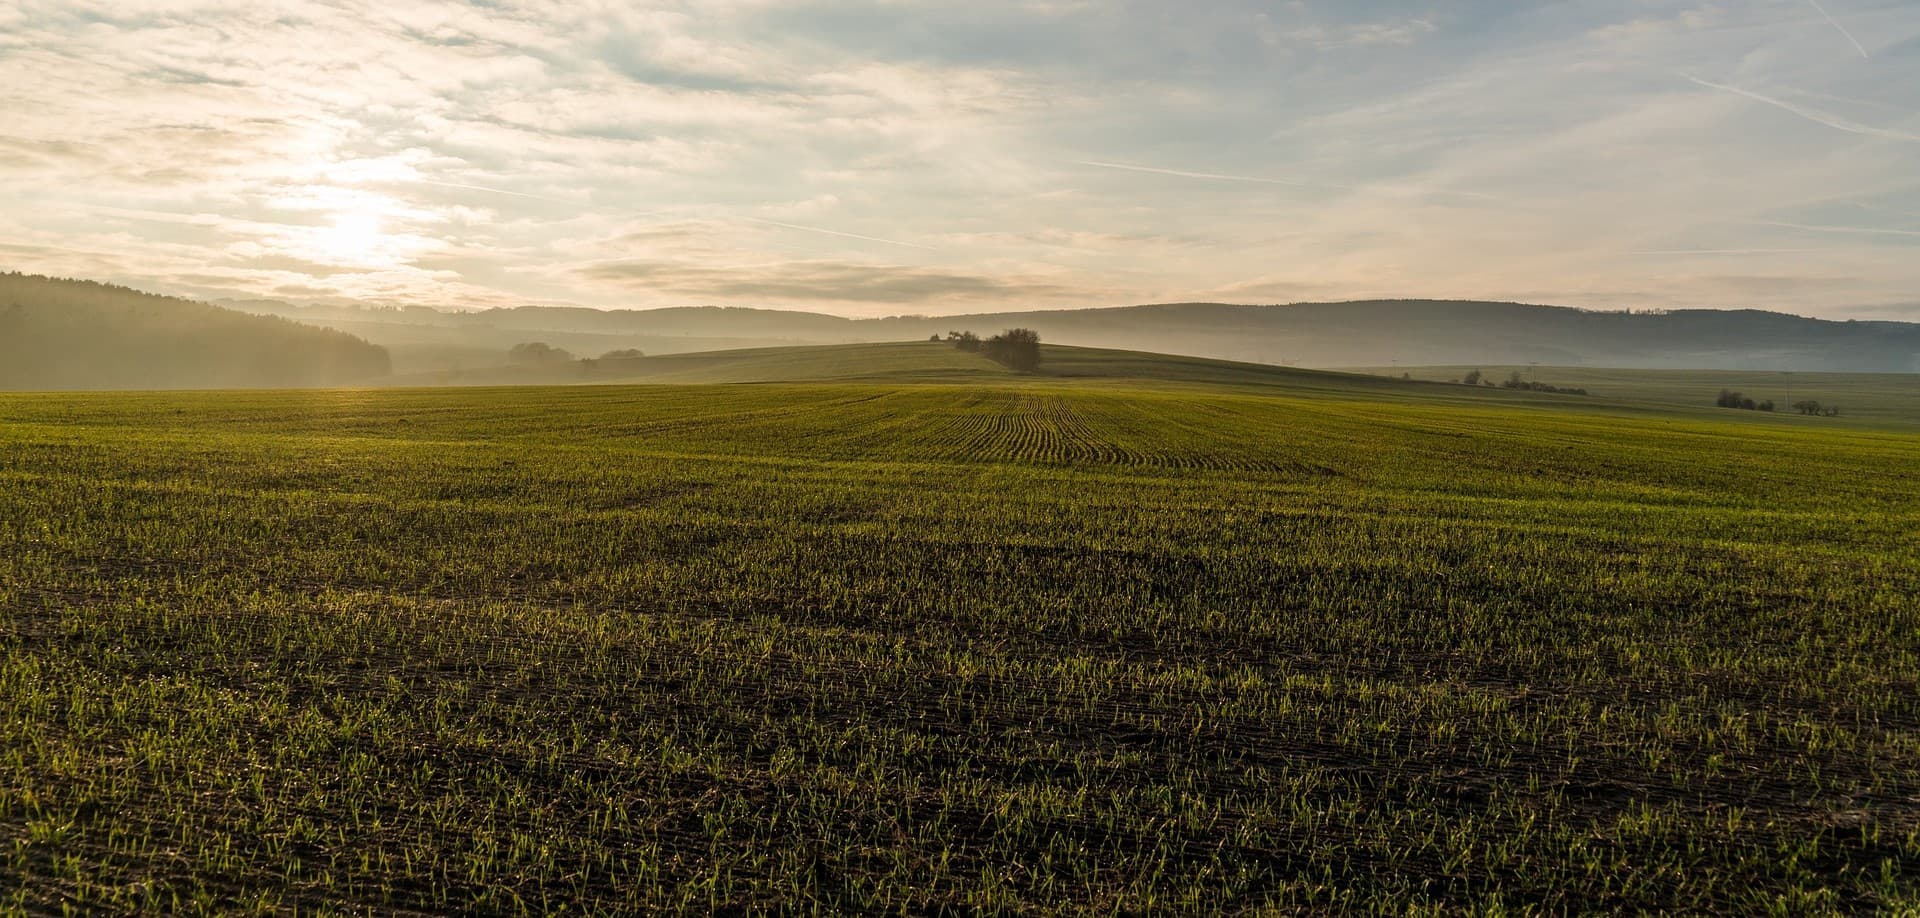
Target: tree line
1729,398
1516,381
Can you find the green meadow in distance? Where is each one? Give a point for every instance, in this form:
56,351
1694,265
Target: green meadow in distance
1137,634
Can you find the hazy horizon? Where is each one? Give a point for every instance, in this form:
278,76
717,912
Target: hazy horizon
868,159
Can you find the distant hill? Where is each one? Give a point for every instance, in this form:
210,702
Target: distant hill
70,334
1372,333
1360,333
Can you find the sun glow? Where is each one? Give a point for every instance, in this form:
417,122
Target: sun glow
354,237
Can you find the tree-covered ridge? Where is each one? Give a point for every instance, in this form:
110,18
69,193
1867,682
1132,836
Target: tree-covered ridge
57,333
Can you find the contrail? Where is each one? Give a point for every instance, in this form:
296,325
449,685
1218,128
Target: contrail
1885,210
1902,109
517,194
1814,115
1843,30
1217,176
1224,177
1722,251
1856,230
828,232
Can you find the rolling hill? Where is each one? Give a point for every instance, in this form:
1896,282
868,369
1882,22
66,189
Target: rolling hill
1361,333
1877,399
70,334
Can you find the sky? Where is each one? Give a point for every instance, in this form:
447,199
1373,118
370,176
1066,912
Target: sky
881,157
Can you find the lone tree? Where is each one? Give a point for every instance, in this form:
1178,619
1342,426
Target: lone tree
1471,379
1018,348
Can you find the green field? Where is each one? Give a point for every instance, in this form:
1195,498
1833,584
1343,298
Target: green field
1892,398
1141,636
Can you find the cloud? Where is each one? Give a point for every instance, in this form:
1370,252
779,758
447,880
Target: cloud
1673,253
1222,177
819,282
431,152
829,232
1278,290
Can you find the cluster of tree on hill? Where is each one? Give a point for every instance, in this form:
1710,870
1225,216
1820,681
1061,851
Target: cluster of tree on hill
537,353
70,334
1731,399
1476,378
1516,381
542,354
1812,407
1018,348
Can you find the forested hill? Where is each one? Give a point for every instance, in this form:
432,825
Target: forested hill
70,334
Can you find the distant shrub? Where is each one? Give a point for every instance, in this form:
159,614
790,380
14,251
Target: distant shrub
625,353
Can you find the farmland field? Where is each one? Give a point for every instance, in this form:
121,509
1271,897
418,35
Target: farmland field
1887,399
1004,644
